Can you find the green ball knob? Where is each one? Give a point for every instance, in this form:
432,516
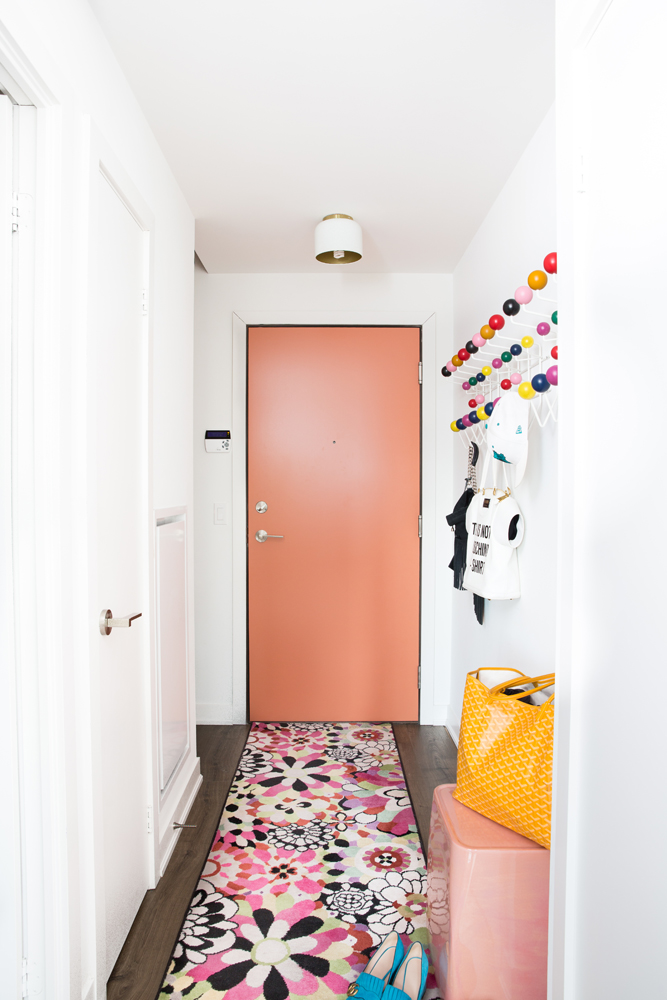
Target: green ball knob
506,356
554,317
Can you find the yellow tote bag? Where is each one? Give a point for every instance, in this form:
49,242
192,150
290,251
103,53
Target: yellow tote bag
505,756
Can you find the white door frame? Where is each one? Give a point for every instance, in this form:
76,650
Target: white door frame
332,317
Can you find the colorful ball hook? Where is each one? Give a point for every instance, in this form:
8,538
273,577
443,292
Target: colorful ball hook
550,263
467,422
554,317
527,341
473,418
506,357
488,409
450,367
497,322
456,361
516,350
487,333
543,329
478,341
554,352
540,382
479,398
481,412
486,370
472,381
526,390
481,377
552,375
515,378
463,354
537,280
511,307
446,372
466,386
523,295
472,402
505,384
453,426
497,363
460,424
470,348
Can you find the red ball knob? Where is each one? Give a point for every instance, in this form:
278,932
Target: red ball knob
554,352
472,403
463,354
551,263
505,384
497,322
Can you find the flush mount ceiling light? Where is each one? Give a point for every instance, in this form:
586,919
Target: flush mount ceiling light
338,240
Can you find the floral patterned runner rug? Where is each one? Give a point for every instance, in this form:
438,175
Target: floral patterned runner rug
317,858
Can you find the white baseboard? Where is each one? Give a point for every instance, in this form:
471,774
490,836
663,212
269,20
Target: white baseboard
178,815
213,713
453,728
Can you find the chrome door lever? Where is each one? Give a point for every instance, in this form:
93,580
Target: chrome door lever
261,536
107,621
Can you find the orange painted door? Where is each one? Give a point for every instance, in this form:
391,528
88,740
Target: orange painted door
334,454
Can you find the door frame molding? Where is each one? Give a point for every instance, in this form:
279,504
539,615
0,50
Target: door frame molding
332,317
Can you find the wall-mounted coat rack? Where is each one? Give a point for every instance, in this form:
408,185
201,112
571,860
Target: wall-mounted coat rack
524,362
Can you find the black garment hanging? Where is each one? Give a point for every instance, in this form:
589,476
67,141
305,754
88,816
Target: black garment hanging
457,521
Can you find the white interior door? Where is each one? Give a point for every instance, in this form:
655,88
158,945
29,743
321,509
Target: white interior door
121,562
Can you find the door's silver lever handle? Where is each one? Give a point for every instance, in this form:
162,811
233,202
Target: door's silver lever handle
261,535
107,621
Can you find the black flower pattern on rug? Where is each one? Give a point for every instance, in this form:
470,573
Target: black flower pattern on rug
208,927
306,837
254,762
266,954
296,774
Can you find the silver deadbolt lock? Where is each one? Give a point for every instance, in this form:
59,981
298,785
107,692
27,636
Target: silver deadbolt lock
107,621
261,507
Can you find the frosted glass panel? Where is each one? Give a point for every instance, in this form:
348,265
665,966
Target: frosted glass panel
172,645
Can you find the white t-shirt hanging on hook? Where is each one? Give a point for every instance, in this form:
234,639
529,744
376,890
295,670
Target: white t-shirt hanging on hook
495,528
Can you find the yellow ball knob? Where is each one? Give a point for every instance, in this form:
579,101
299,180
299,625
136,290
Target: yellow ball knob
526,390
487,332
481,413
453,426
527,341
456,361
537,280
486,370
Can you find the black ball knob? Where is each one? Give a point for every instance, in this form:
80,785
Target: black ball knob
446,372
470,348
511,307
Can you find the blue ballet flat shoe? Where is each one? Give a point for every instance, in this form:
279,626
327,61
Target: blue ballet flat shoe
410,979
371,984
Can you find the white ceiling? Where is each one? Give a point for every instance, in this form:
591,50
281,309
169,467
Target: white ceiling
407,114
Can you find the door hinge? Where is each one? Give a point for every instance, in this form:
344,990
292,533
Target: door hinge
150,820
420,372
419,677
419,525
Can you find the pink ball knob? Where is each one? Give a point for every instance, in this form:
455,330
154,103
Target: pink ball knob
552,375
497,363
479,398
523,295
515,378
466,421
496,400
543,329
465,386
450,367
478,341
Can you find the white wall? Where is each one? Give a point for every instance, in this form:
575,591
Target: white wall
610,817
75,81
358,297
512,241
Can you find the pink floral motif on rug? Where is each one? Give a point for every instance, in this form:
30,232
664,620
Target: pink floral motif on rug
317,858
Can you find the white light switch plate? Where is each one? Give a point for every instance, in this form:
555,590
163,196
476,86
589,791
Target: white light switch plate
219,513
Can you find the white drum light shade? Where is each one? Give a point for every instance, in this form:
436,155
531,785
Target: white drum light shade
338,240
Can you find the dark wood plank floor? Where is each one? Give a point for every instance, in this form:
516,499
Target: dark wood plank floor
428,755
141,966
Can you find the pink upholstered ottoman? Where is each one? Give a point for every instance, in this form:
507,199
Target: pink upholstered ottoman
488,900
